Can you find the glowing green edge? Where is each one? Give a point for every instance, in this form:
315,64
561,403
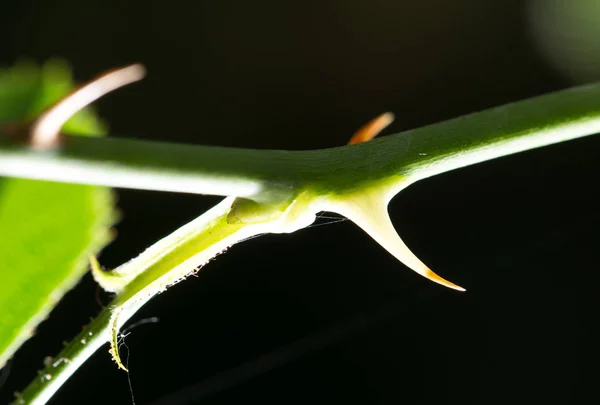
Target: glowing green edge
278,191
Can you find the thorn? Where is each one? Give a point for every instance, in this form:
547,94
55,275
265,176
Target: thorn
372,128
111,281
97,272
94,263
45,130
368,212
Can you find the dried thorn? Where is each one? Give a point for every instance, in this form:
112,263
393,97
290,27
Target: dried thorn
372,128
45,130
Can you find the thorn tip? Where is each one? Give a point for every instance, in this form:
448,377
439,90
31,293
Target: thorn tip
371,129
368,210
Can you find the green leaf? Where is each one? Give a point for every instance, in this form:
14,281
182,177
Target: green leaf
47,230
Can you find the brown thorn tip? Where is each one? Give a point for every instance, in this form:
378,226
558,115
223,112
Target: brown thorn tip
372,128
429,274
46,128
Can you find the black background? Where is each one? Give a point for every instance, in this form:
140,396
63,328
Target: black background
336,318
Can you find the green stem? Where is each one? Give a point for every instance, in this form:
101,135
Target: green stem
263,174
202,232
277,176
60,368
162,265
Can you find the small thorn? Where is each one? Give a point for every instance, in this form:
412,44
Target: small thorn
94,263
97,272
45,130
371,129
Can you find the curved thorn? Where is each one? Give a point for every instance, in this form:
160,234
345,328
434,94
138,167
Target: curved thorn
46,128
372,128
110,281
370,213
97,271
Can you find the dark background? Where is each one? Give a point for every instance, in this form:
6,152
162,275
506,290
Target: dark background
335,318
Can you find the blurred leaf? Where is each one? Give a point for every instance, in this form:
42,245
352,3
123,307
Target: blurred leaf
47,230
567,35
